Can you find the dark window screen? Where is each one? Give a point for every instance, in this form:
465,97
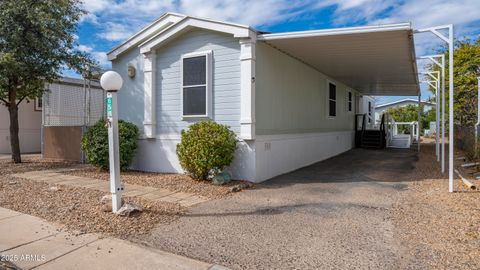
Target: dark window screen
194,100
349,101
332,91
194,70
332,97
332,108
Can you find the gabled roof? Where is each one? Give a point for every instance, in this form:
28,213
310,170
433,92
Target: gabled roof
170,25
405,100
374,60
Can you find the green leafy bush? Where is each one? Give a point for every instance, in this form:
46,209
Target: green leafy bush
95,144
206,149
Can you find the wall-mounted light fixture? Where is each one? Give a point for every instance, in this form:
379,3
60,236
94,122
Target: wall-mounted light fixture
131,72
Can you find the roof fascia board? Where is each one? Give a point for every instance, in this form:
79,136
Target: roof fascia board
155,27
402,101
238,31
337,31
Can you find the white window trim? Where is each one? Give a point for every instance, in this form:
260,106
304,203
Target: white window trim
347,101
208,81
37,106
327,99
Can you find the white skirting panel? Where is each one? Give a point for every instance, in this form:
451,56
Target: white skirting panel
279,154
159,155
256,161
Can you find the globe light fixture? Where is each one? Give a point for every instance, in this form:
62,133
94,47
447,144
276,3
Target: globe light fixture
111,81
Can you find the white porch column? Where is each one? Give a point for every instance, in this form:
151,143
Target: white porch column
149,121
247,85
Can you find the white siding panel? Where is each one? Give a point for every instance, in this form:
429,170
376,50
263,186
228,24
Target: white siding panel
291,96
226,79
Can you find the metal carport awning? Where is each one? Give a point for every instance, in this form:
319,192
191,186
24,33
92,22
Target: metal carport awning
374,60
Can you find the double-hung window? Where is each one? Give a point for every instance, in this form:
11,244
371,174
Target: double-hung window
196,84
349,101
332,100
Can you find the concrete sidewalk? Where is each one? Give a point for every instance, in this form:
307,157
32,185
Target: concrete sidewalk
32,243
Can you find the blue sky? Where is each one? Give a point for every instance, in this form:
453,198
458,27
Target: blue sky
110,22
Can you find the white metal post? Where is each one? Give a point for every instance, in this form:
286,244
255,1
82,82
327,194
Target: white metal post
114,155
443,113
478,114
449,41
450,113
419,125
437,118
435,85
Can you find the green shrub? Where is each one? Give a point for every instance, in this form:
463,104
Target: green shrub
95,144
206,149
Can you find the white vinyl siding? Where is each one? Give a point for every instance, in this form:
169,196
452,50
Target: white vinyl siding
225,70
290,96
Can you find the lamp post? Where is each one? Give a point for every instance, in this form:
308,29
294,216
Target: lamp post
111,82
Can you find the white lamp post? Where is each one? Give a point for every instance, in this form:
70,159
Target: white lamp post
111,82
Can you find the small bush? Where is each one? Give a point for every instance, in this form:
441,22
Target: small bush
95,144
206,149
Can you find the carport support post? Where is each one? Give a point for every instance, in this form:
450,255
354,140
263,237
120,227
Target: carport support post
437,118
450,113
478,114
443,113
441,64
449,41
419,125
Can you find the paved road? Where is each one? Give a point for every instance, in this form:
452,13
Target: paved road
331,215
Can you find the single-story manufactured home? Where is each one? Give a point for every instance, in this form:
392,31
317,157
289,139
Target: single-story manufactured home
291,98
381,108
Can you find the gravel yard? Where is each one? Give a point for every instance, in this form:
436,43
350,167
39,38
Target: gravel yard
440,230
170,181
78,209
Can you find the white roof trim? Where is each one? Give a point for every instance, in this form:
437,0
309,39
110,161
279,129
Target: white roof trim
337,31
237,30
155,27
403,100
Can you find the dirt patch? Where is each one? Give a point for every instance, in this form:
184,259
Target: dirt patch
170,181
440,230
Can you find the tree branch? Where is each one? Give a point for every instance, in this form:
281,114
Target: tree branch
6,102
21,100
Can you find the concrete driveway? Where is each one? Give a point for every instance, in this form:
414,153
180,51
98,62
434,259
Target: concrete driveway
331,215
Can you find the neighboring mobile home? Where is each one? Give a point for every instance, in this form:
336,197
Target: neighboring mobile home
379,109
29,123
290,97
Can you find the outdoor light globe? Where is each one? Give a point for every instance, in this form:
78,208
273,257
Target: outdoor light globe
111,81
